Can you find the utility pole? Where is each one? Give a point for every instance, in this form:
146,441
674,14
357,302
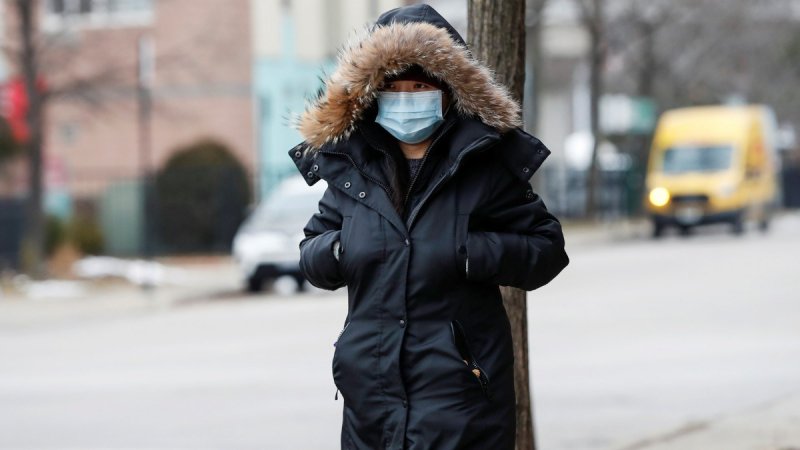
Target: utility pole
593,18
33,253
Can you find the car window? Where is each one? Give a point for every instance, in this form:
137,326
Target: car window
283,211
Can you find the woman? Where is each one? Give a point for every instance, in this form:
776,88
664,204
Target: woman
424,359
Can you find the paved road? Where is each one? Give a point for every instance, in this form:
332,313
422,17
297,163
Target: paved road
676,344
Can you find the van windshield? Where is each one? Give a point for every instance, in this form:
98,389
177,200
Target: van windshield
697,158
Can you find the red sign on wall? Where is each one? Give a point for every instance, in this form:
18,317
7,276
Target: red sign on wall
14,106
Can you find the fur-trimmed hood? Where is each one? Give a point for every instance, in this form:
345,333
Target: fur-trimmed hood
402,37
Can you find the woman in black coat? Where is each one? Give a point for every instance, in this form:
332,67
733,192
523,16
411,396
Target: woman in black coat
424,359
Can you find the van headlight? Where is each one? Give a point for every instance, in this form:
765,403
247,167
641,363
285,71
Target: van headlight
659,196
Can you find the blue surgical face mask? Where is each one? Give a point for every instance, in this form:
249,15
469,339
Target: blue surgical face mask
410,117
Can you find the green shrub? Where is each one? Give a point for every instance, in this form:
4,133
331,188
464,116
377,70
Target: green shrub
55,234
200,198
85,233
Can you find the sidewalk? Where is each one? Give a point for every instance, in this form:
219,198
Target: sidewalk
771,425
58,302
583,233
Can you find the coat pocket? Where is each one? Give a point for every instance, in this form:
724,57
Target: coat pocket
334,359
461,342
341,333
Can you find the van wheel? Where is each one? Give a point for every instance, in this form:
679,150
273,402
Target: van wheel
658,230
737,225
763,224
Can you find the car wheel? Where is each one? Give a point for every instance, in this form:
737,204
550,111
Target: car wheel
686,230
301,284
255,284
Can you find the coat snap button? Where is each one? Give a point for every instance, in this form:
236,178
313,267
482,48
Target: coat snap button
529,194
405,403
525,169
402,323
407,243
316,167
310,174
297,154
462,249
362,194
347,185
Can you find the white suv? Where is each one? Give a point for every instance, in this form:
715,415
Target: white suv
266,246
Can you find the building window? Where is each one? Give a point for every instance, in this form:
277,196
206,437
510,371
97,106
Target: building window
59,14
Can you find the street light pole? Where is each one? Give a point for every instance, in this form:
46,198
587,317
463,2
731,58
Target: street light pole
144,83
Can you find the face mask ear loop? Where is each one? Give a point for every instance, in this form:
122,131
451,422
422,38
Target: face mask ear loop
447,110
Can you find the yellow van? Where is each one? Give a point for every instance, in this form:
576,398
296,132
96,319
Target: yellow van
711,164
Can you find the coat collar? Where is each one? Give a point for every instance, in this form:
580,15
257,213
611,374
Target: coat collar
337,163
520,151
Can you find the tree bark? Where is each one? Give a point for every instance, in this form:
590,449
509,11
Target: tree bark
593,18
496,36
33,239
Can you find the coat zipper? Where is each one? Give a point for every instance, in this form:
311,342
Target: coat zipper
441,180
336,396
340,333
483,378
422,163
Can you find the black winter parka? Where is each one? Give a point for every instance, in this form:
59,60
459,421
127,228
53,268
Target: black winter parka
423,290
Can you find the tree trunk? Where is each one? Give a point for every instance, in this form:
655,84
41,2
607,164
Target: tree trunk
595,24
33,240
496,35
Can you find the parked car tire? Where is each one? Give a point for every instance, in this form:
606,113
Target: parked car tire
255,284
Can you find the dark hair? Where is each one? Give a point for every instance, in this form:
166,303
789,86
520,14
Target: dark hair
417,73
397,173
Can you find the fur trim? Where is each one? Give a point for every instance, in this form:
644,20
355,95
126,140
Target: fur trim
390,49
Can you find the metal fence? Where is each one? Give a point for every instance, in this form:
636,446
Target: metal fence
12,216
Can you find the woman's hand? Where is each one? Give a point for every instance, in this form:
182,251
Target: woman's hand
317,263
526,247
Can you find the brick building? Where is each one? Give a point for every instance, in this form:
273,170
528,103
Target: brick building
201,82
